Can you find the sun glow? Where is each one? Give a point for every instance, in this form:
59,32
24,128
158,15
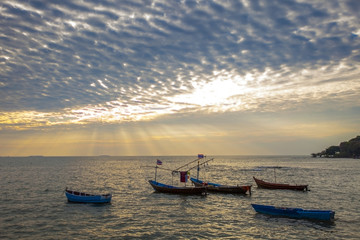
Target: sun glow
222,91
214,93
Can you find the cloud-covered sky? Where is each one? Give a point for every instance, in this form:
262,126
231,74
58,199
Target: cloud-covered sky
177,77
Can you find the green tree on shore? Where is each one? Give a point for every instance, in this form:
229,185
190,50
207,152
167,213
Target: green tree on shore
347,149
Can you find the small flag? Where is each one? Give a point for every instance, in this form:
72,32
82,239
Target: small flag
158,162
200,155
183,176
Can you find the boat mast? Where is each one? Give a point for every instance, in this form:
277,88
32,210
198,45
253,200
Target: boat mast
156,172
198,170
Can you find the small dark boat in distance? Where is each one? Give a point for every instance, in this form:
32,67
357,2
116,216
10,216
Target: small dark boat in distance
268,185
323,215
81,197
163,188
214,187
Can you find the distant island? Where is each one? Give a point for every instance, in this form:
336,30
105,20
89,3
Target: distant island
349,149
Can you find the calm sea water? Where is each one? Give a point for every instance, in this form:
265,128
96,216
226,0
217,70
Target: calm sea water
33,204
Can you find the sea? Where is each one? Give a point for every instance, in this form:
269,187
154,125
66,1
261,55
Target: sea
33,204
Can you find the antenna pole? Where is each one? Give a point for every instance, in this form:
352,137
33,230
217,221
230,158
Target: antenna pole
156,172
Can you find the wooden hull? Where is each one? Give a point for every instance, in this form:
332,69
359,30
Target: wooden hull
268,185
81,197
213,187
163,188
323,215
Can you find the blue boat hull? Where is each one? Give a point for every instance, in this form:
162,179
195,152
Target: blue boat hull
78,197
160,187
324,215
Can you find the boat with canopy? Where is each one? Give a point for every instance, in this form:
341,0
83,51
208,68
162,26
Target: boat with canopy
82,197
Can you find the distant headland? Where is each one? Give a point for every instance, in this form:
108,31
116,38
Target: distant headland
349,149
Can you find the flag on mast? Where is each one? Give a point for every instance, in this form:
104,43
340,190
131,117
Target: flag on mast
184,176
158,162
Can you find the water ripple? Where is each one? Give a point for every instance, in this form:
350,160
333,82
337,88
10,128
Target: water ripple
33,205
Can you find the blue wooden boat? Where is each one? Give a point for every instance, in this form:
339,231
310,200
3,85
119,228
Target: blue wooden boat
81,197
324,215
160,187
214,187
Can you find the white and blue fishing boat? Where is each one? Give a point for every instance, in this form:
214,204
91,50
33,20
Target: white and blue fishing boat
323,215
81,197
185,190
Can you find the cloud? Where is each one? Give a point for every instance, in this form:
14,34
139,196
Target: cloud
73,62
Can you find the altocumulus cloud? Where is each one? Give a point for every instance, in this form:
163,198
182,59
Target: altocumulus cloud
74,62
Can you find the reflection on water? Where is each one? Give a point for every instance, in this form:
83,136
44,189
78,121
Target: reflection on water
33,204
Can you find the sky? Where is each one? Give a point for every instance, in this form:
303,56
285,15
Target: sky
131,77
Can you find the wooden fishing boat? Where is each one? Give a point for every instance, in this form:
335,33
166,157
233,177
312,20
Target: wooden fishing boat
268,185
163,188
214,187
324,215
81,197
